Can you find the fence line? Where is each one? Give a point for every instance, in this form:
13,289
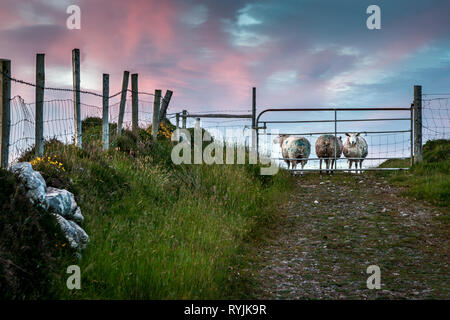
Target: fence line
61,118
65,119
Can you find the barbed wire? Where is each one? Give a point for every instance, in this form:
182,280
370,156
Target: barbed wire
73,90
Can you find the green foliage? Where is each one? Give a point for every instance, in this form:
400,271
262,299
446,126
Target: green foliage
436,151
428,180
159,230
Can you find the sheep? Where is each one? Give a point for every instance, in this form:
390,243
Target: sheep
294,148
355,146
325,148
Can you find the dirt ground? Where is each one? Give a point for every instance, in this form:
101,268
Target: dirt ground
334,227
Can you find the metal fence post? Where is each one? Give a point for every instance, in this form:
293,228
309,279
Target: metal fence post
39,104
156,106
197,123
417,124
335,140
76,96
5,111
134,103
253,151
105,124
123,100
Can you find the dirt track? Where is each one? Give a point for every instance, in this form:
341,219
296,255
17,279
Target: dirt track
334,227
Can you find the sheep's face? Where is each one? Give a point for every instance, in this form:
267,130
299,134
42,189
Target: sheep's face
352,138
280,139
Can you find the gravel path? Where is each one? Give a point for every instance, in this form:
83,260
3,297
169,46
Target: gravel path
334,227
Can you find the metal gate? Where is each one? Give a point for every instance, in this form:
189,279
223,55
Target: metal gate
403,126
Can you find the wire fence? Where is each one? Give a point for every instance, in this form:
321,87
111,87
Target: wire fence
387,139
436,117
59,121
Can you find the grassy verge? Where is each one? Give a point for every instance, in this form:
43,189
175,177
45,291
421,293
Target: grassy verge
430,179
160,231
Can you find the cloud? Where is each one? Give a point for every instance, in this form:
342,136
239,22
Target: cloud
212,52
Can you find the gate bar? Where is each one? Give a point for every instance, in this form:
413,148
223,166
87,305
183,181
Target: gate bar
363,169
341,132
351,120
312,159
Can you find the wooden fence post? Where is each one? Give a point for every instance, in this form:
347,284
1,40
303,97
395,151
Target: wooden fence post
417,124
178,125
183,119
39,104
123,100
76,96
165,104
156,106
134,103
105,125
5,111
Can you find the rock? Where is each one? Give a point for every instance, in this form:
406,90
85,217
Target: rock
316,202
32,181
77,237
62,202
77,216
59,202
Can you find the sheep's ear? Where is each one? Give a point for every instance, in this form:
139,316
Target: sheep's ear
347,134
358,134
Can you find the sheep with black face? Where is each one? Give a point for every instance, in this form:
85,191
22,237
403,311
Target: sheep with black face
355,146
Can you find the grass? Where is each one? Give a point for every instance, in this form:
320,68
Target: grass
428,180
160,231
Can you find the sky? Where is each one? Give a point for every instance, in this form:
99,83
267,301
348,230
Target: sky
303,53
297,53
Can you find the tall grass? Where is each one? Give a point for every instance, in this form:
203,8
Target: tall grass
160,231
428,180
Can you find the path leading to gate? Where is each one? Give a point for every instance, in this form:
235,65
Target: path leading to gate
333,228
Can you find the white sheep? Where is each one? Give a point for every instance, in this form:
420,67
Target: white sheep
326,147
294,148
355,146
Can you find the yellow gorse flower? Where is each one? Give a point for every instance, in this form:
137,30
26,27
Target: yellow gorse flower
48,160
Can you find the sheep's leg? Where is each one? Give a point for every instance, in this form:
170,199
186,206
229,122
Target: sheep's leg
332,166
360,165
303,165
350,165
320,170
